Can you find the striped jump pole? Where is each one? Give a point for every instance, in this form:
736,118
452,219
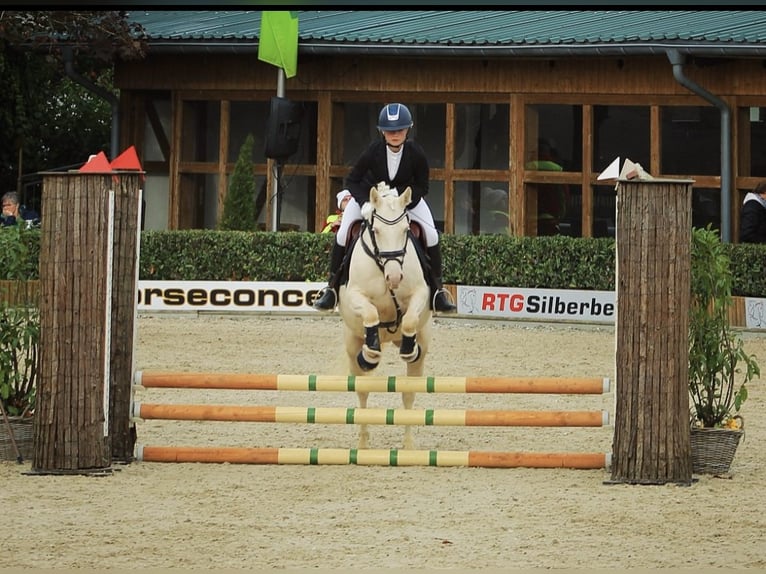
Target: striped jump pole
371,457
373,383
374,416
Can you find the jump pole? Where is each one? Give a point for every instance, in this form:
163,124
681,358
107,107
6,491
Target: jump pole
371,457
375,416
373,383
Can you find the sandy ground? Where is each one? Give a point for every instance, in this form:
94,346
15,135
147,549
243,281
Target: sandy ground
218,516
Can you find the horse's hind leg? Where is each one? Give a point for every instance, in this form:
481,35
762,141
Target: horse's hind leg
414,369
408,400
364,433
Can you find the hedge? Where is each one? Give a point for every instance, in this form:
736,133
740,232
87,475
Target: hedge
492,260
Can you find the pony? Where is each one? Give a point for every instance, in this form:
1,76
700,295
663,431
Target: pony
386,296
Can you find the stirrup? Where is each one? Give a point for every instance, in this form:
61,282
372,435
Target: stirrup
450,306
327,300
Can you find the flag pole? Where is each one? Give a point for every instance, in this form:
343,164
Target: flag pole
275,167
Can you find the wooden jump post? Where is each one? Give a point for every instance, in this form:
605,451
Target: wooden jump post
372,457
373,383
88,263
651,435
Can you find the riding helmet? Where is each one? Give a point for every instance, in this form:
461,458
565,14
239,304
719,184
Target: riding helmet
394,117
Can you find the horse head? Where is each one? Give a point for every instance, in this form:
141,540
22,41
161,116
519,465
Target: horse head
388,225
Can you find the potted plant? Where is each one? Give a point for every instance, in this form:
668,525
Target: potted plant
719,366
19,344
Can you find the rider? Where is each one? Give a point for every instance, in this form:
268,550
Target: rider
399,162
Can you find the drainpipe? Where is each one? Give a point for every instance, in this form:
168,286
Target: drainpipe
99,91
678,60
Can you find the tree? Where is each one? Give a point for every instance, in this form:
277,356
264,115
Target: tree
239,211
46,119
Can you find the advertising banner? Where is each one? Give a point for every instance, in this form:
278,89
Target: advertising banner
540,304
297,297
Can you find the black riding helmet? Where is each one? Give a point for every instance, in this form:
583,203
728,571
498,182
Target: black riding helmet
394,117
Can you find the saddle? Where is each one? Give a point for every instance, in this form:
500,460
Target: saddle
418,241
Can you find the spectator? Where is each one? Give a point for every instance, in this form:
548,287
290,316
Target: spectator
752,217
14,212
332,223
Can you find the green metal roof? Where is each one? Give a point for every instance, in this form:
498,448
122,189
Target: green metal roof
468,28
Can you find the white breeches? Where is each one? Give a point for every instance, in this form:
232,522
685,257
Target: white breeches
420,213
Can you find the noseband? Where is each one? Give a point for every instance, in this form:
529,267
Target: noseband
383,257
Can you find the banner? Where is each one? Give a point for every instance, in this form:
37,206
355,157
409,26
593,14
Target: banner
472,301
540,304
278,42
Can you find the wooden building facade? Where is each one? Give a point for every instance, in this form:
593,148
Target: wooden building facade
515,142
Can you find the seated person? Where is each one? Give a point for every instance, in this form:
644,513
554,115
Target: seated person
14,212
332,223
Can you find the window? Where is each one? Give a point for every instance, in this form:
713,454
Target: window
555,129
481,207
706,207
245,118
604,210
691,140
157,130
200,131
620,131
359,123
755,166
481,136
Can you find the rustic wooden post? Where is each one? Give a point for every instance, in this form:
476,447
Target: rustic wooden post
127,230
87,309
651,433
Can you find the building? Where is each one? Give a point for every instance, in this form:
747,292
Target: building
518,110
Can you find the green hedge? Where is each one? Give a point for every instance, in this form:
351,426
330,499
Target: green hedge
492,260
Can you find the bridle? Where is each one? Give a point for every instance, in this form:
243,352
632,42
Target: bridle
383,257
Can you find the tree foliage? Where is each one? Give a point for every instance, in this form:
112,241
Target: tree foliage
48,120
239,210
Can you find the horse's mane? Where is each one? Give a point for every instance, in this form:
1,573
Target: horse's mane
385,191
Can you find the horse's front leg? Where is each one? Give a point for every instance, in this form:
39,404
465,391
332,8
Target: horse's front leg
408,400
409,348
359,305
364,433
369,355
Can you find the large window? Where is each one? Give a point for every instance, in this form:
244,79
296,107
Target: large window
474,187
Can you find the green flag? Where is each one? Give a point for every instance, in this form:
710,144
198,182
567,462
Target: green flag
278,43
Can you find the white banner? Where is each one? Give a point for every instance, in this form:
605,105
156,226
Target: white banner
298,297
542,304
755,313
227,296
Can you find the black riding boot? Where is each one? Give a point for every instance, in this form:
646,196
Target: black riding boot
329,298
441,302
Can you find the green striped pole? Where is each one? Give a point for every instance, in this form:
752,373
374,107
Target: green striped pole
371,416
373,383
372,457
